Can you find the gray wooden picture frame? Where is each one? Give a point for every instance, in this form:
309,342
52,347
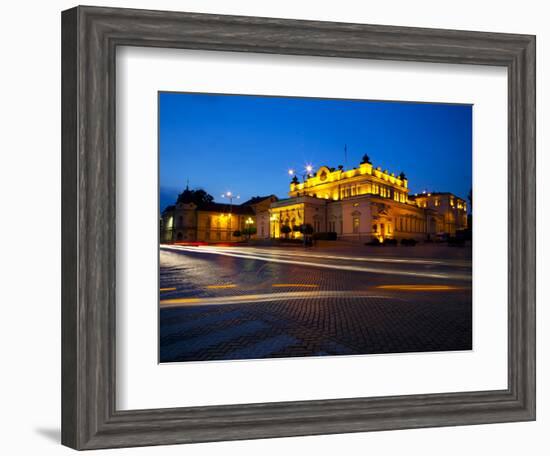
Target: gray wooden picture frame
90,36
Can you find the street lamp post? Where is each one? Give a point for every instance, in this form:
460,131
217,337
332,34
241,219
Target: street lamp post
307,172
308,169
229,195
248,223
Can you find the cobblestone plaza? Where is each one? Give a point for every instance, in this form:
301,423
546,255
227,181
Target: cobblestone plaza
249,303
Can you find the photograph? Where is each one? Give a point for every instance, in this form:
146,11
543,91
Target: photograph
306,227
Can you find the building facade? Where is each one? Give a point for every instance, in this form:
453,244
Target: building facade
359,204
366,203
189,221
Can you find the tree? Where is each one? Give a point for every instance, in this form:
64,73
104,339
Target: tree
198,197
249,231
366,159
237,234
286,230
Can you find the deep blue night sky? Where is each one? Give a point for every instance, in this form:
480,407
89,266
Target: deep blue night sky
246,144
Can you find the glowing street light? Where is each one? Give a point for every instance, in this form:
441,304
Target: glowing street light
231,197
249,222
308,170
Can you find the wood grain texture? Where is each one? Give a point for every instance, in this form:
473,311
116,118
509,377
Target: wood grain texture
69,220
89,39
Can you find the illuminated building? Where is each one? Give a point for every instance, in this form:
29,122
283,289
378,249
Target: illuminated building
359,204
216,222
365,203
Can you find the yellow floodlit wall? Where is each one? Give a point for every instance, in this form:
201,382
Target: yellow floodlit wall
336,184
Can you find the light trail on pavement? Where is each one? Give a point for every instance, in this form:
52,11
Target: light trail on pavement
258,254
270,297
296,253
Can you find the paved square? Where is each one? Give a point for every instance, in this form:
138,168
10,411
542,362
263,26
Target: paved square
252,303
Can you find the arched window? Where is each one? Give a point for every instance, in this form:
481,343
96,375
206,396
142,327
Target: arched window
356,225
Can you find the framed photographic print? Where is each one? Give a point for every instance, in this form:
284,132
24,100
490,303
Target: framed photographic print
279,228
317,271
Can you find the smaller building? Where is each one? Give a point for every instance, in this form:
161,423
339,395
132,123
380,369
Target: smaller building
450,211
206,221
